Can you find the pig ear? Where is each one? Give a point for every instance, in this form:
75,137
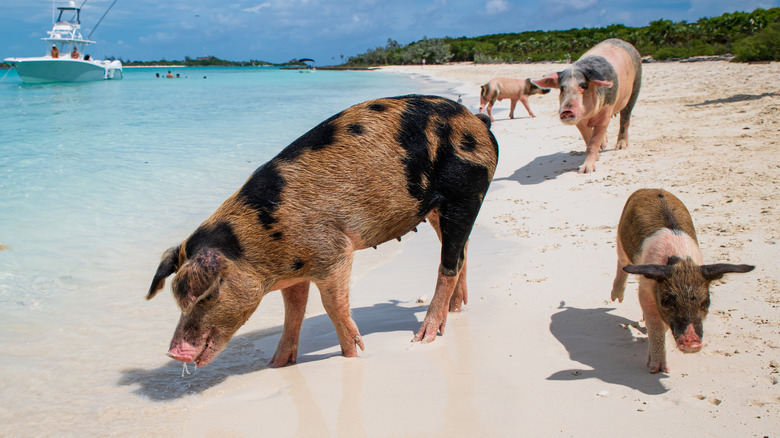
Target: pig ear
600,83
653,272
549,81
168,265
595,77
715,272
197,277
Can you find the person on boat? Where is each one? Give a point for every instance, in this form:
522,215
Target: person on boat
55,53
75,53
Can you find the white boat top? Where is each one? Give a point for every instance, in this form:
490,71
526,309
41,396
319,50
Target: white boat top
66,60
65,37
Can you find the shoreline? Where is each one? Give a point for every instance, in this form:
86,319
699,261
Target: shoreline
539,335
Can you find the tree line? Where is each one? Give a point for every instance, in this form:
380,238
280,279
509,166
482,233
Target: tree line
749,36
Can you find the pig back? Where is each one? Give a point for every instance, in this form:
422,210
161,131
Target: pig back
626,62
648,210
374,170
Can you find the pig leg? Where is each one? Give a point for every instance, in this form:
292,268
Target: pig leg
619,285
512,104
460,296
524,101
490,108
625,120
455,220
295,298
656,328
625,113
585,131
592,149
334,291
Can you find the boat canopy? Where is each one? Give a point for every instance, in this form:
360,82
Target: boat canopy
66,30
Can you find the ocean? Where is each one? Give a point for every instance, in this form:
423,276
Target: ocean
96,181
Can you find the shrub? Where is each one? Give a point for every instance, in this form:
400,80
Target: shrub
763,46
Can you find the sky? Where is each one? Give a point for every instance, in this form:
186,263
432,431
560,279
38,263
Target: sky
324,30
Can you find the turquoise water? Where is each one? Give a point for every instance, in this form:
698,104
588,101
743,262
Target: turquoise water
96,181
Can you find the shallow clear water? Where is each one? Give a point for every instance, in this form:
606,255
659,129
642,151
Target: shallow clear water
96,181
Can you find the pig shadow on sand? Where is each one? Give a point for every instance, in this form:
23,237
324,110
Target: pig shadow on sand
546,167
607,349
737,98
251,352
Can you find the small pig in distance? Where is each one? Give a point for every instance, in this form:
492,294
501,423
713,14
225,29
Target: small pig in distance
364,176
656,239
604,81
508,88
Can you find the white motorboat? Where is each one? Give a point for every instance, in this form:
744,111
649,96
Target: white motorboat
65,60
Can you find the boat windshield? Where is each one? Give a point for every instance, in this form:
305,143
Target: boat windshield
69,11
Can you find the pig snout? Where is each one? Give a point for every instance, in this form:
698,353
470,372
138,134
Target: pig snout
689,341
570,111
568,114
183,350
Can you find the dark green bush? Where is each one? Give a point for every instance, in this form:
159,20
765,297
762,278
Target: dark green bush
753,34
763,46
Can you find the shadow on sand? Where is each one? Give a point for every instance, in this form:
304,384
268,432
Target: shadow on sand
598,340
738,98
546,167
251,352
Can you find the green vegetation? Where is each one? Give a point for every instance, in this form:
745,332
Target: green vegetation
750,36
208,61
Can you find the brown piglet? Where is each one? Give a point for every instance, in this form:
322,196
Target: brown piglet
362,177
656,239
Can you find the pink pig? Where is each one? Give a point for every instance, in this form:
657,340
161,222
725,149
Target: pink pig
603,82
508,88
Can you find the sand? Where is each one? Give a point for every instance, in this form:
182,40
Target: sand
540,350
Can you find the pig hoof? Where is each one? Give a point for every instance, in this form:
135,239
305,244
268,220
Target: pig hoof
283,357
428,331
588,168
617,295
657,367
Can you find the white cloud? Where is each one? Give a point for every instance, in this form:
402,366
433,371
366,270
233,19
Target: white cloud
256,9
497,6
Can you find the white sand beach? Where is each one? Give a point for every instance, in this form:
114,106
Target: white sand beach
540,350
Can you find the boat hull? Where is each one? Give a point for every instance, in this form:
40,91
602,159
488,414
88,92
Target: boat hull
43,70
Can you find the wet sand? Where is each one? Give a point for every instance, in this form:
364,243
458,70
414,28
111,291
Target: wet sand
540,350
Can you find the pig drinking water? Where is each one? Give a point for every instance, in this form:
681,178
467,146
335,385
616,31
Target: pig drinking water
367,175
603,82
656,239
508,88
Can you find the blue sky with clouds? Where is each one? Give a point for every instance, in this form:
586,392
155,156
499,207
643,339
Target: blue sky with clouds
279,30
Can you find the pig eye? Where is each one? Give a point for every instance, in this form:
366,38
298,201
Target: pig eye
207,299
584,85
705,304
668,301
